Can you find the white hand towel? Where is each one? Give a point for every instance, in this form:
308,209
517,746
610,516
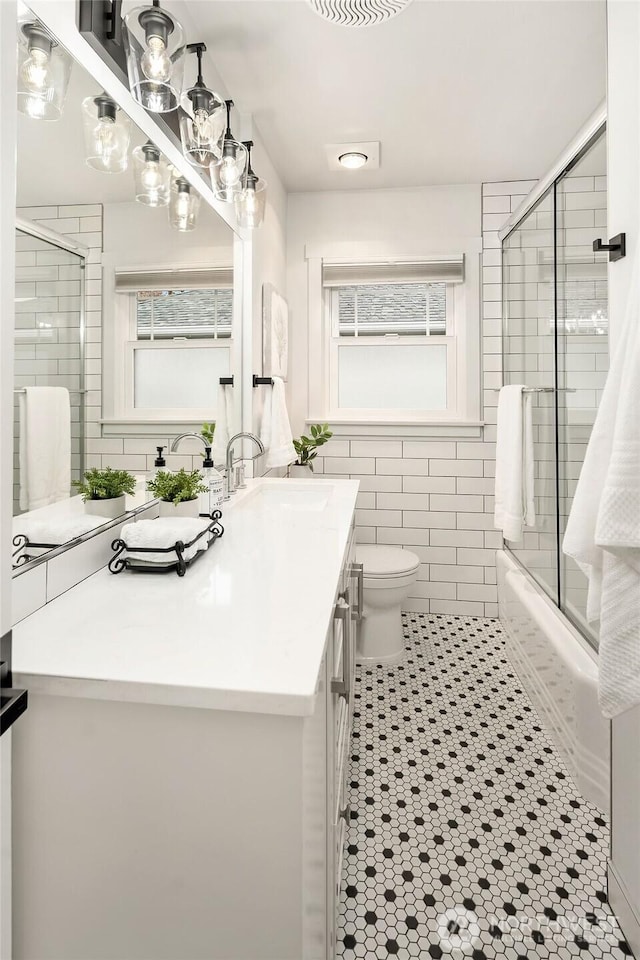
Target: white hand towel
45,446
514,505
224,419
275,431
56,530
162,533
603,530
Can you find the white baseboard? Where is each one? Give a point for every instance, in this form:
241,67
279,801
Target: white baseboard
623,909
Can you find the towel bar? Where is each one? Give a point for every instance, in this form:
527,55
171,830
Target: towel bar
539,389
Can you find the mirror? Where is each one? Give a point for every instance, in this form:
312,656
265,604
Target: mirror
126,321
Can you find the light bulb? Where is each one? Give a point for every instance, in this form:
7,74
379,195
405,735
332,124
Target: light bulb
182,205
36,107
155,61
202,127
229,173
35,72
104,137
151,176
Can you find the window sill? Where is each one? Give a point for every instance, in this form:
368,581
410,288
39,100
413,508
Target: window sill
410,429
147,428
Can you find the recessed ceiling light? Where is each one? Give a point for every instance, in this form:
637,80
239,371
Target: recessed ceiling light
353,160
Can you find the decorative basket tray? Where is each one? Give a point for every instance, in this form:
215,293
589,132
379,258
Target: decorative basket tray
176,559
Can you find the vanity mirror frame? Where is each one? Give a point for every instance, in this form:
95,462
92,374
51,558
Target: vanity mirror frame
60,21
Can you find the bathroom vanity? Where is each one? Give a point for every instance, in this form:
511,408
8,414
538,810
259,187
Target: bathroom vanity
179,778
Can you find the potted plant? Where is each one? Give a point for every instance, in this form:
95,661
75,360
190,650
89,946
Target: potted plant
307,449
103,491
179,493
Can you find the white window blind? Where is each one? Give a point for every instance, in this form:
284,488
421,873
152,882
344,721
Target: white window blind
131,281
445,270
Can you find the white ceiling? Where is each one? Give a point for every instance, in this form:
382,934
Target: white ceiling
457,92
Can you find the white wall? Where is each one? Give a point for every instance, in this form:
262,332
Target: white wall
430,494
624,215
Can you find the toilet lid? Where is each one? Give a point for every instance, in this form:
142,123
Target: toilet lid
379,560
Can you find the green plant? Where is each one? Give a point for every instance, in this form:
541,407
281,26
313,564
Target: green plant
307,447
177,487
105,484
207,431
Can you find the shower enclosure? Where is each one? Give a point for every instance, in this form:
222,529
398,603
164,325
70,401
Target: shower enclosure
49,329
555,340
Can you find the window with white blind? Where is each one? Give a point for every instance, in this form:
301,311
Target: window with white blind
176,341
393,345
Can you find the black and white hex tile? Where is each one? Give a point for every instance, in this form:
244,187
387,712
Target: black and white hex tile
468,837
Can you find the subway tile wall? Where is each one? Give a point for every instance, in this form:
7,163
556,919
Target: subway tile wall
84,223
435,497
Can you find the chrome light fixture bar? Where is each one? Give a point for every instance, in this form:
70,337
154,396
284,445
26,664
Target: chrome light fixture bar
107,132
228,169
44,68
251,200
151,176
154,45
202,119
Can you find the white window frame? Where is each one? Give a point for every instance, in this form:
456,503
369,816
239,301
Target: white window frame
463,339
119,387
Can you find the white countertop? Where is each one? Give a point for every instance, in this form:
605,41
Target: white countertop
244,629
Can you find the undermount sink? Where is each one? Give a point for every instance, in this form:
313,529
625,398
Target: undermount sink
290,495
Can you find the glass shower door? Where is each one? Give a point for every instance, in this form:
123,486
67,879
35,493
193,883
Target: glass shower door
529,358
583,342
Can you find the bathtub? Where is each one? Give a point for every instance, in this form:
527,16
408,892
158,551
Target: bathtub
560,673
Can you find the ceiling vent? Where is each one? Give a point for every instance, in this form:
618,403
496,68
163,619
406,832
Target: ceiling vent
358,13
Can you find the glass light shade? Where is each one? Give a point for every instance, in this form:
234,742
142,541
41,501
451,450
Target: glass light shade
44,68
227,171
202,122
151,176
251,203
184,205
107,131
154,44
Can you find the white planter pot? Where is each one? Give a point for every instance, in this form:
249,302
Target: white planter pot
186,508
299,473
106,508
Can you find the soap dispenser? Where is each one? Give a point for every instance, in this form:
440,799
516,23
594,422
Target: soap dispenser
212,499
158,464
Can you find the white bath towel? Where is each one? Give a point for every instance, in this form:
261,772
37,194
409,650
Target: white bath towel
275,431
57,529
164,532
514,504
224,420
45,446
603,531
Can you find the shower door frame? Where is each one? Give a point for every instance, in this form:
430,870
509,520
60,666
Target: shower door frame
581,144
39,232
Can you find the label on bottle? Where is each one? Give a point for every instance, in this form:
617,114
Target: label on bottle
216,491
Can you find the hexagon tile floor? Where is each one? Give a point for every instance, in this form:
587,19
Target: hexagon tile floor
468,837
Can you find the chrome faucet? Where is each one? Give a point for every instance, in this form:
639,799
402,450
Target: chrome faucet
176,443
231,488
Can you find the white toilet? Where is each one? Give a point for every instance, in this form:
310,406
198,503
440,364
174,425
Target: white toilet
389,573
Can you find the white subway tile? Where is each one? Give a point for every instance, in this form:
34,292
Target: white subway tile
436,554
457,538
402,536
380,484
376,518
399,467
477,591
348,465
431,449
457,608
365,534
454,501
403,501
455,468
376,448
429,484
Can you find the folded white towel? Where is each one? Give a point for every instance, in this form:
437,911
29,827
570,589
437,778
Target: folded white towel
275,430
224,421
162,533
56,530
45,446
603,530
514,504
